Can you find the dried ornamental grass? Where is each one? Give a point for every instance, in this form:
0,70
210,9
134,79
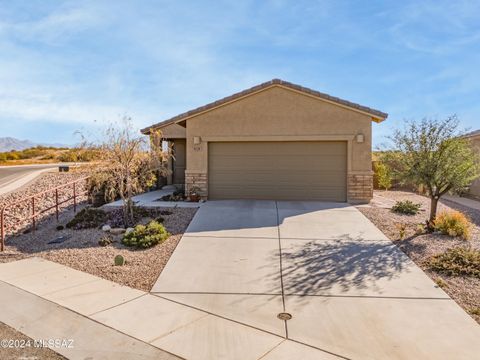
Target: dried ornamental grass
457,261
453,223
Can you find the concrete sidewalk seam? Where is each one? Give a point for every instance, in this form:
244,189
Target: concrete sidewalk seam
91,319
228,236
180,327
220,316
213,293
269,351
281,267
337,239
369,297
114,306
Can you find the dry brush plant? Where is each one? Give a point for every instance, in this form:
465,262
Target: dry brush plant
127,164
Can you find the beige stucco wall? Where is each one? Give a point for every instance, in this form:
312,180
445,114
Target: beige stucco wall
279,114
173,131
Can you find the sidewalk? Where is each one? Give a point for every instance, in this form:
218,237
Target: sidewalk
80,337
473,204
46,300
151,199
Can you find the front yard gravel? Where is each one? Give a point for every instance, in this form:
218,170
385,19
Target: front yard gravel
420,248
81,250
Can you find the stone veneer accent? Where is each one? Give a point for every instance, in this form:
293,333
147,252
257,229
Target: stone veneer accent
360,188
196,178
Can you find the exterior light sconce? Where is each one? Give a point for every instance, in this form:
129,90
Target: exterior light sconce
360,138
197,140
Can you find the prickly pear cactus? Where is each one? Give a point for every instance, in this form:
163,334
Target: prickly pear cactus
119,260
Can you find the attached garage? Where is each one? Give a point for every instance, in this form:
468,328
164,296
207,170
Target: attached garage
293,170
275,141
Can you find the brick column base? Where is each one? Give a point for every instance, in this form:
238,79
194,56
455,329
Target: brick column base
360,188
198,179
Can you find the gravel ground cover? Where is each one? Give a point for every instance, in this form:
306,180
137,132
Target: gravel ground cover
30,353
16,213
420,248
79,249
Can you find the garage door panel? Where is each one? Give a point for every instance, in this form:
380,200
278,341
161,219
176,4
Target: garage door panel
283,163
259,177
278,170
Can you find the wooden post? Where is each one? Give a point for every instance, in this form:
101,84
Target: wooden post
2,230
33,213
74,198
56,202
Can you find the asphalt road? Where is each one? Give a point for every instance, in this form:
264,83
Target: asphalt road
9,175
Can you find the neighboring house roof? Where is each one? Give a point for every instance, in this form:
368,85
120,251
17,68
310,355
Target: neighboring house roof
472,134
377,115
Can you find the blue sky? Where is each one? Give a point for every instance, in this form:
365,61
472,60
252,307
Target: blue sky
72,65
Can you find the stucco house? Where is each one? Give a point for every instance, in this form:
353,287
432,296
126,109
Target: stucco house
474,137
276,140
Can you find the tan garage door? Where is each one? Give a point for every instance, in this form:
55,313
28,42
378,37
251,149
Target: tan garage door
296,170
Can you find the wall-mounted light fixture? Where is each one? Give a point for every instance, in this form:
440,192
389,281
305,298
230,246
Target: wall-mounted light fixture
197,140
360,138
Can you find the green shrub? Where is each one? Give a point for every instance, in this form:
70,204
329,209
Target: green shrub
453,223
383,175
146,236
87,218
457,261
406,207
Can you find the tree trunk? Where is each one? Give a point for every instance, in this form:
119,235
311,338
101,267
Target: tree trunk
433,211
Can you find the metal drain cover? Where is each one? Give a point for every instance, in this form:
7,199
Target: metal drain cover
284,316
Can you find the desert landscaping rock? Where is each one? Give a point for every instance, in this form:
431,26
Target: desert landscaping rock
420,248
82,251
117,231
106,228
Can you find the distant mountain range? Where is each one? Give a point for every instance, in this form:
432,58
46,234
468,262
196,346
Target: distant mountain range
10,143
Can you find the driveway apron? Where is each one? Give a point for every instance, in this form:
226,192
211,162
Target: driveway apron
350,292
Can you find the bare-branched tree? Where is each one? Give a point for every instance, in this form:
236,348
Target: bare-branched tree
128,164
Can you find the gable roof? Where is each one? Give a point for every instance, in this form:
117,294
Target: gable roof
376,115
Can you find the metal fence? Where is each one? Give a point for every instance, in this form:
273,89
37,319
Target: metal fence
35,209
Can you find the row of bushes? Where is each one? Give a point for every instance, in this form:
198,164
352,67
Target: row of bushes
50,153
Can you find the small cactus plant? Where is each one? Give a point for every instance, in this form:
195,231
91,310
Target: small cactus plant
119,260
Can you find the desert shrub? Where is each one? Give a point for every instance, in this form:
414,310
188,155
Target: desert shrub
453,223
146,236
383,175
87,218
402,230
406,207
457,261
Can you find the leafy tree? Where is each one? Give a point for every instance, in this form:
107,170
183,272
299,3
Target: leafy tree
433,153
383,174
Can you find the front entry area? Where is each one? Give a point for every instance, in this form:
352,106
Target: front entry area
286,170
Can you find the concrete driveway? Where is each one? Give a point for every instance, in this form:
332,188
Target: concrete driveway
351,293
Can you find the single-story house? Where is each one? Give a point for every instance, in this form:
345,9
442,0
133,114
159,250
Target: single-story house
474,137
276,140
